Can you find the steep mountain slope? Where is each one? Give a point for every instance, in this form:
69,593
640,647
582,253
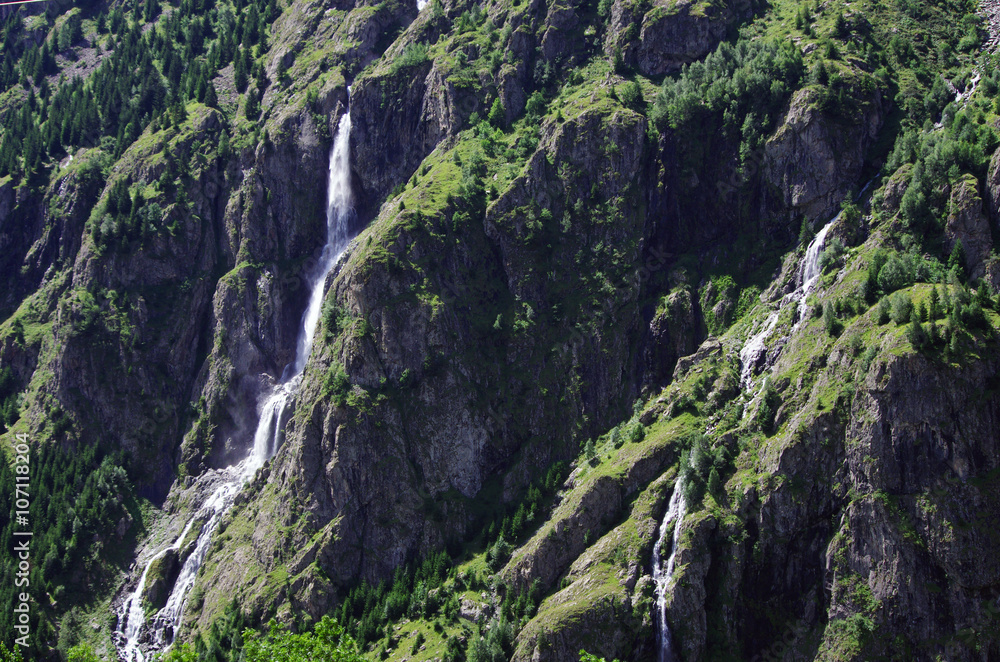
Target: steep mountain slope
580,282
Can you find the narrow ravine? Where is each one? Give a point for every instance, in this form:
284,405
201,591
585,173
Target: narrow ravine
139,636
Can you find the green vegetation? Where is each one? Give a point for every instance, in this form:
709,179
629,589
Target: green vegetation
9,399
163,69
738,89
77,502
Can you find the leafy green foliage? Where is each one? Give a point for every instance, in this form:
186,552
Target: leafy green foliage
770,401
630,94
902,308
590,657
82,653
145,77
830,321
495,646
367,609
336,385
77,500
498,115
413,55
9,399
328,641
700,468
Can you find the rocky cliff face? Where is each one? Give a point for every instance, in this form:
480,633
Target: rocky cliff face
814,159
538,252
660,37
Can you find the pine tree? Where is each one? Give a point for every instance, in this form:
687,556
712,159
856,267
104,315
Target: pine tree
956,261
830,319
252,107
714,483
211,98
916,333
497,116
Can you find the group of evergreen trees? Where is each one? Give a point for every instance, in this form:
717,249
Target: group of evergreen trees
146,73
77,500
738,88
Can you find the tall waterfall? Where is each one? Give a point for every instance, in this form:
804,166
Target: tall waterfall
133,629
662,571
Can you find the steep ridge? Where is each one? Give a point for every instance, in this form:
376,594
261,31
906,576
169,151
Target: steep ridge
548,239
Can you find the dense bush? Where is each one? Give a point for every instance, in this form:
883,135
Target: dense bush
327,641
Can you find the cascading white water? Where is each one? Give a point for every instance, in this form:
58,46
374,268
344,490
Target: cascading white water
754,347
339,208
270,426
662,572
810,269
421,4
132,607
809,273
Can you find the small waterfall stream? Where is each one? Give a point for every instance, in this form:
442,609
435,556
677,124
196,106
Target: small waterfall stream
160,630
663,571
809,272
810,269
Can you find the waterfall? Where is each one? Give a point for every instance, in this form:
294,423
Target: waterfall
808,276
754,347
662,572
273,415
421,4
809,269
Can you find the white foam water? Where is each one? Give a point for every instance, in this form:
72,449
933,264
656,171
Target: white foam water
663,571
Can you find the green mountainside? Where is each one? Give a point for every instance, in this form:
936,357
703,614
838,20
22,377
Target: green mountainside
605,251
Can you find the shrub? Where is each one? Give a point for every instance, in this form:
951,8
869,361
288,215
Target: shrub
770,401
893,275
867,358
714,483
630,94
974,317
414,54
418,641
883,310
832,255
902,308
830,321
956,261
934,311
916,334
536,105
497,116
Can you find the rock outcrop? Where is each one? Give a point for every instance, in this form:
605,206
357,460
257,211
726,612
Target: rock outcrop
814,159
967,223
671,33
